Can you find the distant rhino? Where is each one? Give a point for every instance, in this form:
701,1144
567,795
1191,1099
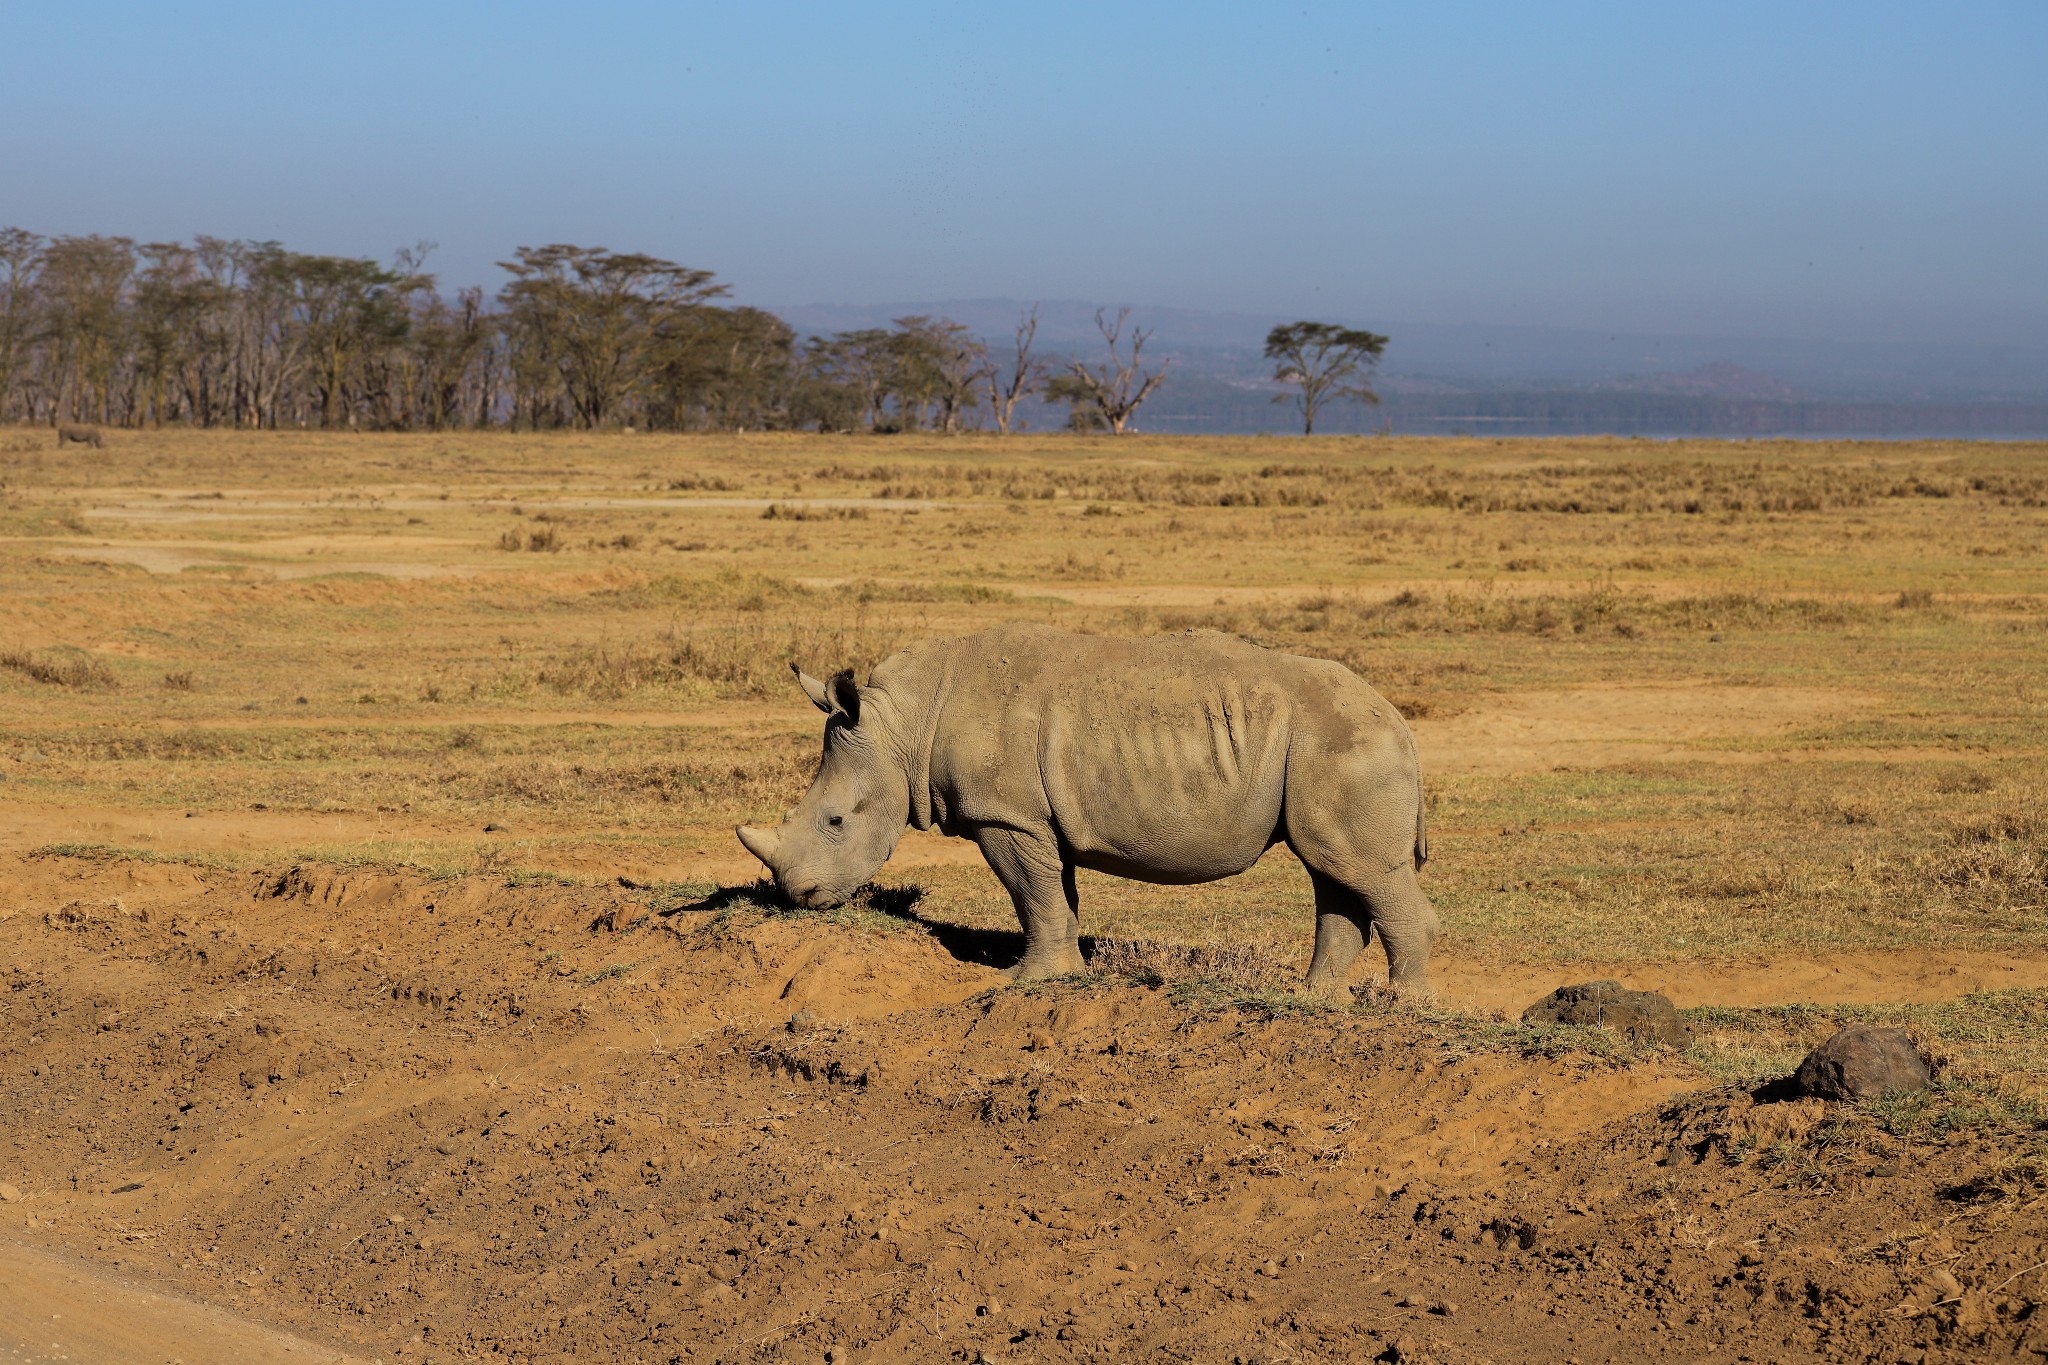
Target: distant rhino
82,434
1175,760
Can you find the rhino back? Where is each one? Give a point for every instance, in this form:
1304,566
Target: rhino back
1164,758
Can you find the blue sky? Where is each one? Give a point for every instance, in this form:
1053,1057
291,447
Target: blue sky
1869,171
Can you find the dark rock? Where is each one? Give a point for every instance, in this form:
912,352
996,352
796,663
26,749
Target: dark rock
1511,1232
1640,1016
1862,1060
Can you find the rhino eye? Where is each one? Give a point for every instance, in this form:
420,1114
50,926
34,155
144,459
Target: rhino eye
836,820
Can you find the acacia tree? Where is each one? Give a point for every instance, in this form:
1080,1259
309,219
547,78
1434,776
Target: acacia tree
166,304
938,365
1317,358
722,368
596,312
748,383
21,255
347,310
445,347
861,364
212,370
1114,390
1024,379
85,284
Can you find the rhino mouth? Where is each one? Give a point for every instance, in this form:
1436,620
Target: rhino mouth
815,897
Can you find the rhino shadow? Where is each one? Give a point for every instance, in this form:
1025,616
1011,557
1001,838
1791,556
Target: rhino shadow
963,942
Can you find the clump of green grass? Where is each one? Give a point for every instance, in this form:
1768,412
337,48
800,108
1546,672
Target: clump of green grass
666,898
971,593
874,908
116,853
1208,995
1237,966
528,876
1957,1106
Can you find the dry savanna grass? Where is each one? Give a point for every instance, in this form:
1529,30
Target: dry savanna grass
1683,705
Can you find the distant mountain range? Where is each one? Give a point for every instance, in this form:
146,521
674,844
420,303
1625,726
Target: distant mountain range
1442,377
1717,380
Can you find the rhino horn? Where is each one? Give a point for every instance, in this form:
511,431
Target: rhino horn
762,843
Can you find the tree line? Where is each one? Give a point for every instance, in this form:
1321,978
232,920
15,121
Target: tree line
215,333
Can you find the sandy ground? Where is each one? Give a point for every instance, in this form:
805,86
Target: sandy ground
452,1120
55,1308
1537,731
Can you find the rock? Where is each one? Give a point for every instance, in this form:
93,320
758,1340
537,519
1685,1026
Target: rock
1862,1060
1639,1016
803,1021
9,1195
1510,1232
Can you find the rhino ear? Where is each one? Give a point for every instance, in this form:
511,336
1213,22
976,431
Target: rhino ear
813,689
846,696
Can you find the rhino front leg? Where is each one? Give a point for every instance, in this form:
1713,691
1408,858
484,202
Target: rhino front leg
1041,885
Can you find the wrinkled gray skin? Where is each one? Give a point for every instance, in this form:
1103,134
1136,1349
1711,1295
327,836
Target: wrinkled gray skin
1173,760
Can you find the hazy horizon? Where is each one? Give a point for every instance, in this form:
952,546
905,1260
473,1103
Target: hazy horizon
1826,173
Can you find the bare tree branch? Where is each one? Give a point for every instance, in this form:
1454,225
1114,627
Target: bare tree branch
1113,390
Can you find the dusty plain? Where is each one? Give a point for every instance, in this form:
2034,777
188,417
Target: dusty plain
384,981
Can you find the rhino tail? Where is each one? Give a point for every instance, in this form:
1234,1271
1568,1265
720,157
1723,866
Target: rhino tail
1421,834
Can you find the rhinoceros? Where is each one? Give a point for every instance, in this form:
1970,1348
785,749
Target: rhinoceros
1174,760
83,435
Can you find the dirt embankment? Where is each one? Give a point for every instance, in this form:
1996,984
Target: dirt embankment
460,1120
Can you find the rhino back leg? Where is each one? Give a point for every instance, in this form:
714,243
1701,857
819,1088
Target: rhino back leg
1353,823
1349,908
1407,925
1041,886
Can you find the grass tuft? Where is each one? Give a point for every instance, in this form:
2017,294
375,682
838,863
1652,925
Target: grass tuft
69,668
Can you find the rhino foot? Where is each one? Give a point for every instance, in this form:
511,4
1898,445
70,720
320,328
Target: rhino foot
1038,966
1330,990
1415,992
